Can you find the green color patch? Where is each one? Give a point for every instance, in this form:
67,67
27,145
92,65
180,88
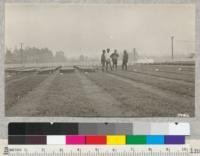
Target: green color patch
136,139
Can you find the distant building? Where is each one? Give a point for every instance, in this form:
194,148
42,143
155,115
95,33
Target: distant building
60,56
145,60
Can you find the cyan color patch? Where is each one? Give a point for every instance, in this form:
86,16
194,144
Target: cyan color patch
155,139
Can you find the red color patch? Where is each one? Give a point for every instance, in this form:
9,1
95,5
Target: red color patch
96,140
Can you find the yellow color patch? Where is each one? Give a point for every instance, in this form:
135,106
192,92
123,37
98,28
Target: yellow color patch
116,139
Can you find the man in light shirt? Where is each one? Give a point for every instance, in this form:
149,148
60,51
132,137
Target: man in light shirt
114,57
108,60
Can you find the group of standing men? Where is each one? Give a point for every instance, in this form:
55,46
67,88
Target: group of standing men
110,60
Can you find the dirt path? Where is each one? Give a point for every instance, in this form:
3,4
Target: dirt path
28,106
102,102
66,97
154,90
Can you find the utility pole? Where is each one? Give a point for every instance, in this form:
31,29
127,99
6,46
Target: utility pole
134,55
172,44
21,51
21,45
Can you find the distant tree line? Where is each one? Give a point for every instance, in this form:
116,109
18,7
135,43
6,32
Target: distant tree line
33,55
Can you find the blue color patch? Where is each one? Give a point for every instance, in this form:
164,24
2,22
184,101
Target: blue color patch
155,139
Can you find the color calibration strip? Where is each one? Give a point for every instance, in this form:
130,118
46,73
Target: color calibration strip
97,133
98,140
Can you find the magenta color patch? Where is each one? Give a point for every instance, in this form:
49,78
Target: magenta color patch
75,139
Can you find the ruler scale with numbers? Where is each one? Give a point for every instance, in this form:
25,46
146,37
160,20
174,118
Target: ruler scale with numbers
98,139
115,150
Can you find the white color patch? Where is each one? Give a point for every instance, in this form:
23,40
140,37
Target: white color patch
56,140
179,129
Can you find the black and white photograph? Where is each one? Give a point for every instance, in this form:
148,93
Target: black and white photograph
99,60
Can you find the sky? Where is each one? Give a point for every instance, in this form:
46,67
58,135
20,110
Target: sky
87,29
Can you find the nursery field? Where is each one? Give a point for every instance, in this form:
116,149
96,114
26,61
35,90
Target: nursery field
144,90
